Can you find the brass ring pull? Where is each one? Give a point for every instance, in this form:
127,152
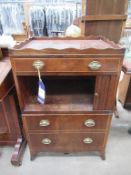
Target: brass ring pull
38,64
88,140
44,123
94,65
96,94
90,123
46,141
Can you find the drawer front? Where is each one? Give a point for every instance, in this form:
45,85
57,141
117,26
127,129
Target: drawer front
67,65
67,122
66,142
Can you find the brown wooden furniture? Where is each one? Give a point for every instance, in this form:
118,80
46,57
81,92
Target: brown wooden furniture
10,131
99,7
81,77
104,17
125,85
124,95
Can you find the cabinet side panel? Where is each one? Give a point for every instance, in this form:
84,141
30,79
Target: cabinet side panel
3,124
110,103
17,85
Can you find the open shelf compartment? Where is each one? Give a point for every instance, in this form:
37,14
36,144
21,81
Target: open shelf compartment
63,94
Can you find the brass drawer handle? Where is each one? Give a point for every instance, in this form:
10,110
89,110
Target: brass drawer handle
46,141
96,94
90,123
44,123
88,140
38,64
95,65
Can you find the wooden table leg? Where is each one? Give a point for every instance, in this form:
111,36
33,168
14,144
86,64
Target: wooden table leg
33,156
19,149
102,154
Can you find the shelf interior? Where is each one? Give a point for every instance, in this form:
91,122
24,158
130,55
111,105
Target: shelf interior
63,94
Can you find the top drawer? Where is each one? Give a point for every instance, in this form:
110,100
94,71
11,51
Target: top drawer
66,65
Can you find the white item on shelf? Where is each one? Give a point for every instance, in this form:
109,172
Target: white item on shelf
7,41
73,31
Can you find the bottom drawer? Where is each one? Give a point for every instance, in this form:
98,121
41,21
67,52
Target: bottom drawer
67,142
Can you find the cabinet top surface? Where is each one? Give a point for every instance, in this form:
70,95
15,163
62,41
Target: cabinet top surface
66,43
65,46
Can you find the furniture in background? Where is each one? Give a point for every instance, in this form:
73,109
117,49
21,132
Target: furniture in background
10,122
124,95
104,17
81,77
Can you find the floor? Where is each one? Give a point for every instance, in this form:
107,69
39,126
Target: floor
118,156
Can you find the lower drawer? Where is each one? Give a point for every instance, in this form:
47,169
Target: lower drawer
66,142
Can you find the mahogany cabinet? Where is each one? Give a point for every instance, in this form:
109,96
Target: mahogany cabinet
80,77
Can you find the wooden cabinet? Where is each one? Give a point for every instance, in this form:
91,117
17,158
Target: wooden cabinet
9,127
10,122
80,77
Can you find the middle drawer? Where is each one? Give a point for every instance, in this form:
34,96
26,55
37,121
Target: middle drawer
67,122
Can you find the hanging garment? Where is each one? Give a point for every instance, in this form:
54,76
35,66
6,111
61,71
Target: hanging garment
45,30
51,18
38,21
1,28
11,18
60,17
